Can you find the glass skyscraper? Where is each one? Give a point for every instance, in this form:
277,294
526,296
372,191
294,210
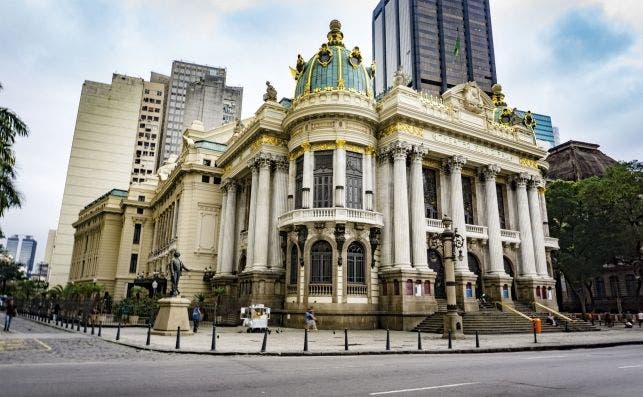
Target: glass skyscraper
421,37
28,253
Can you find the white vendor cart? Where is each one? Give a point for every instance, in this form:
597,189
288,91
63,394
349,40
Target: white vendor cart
255,318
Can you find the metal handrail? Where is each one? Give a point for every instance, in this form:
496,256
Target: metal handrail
514,311
554,311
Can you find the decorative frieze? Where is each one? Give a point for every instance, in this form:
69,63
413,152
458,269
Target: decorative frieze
403,127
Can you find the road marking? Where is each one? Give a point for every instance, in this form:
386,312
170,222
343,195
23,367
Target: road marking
631,366
422,388
43,344
542,357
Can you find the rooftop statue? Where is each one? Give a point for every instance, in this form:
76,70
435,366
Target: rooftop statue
271,93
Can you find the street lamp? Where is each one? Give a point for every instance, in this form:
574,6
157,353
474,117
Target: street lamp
451,243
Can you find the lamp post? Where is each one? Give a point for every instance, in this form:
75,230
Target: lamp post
451,244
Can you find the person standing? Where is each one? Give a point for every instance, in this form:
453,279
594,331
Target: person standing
640,317
196,317
9,314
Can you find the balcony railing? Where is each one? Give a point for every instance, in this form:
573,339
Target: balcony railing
477,231
320,289
434,225
551,243
338,215
356,289
510,236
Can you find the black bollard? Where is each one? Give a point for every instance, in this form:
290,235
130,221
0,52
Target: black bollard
213,345
149,330
305,339
450,345
477,340
419,340
566,326
56,321
265,340
388,340
92,329
78,327
100,328
66,323
84,326
178,338
345,338
118,331
535,337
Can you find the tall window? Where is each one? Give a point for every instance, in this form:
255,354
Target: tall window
353,180
137,234
293,265
356,269
430,193
630,284
614,287
133,261
467,197
600,287
299,180
323,179
501,206
321,263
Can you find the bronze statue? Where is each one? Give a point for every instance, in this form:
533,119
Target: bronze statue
176,268
271,93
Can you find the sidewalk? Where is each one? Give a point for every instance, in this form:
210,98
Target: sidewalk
289,341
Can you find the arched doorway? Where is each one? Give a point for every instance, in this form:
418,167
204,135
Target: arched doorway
474,267
435,263
509,269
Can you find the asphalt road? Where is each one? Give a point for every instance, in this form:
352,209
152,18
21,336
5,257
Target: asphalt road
50,362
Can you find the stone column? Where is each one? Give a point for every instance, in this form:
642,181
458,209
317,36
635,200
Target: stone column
384,205
454,165
279,182
254,187
368,179
307,180
262,213
221,229
400,206
528,267
418,219
228,238
340,173
543,210
493,219
537,228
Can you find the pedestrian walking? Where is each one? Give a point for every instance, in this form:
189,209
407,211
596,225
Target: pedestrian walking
311,320
9,314
196,317
640,317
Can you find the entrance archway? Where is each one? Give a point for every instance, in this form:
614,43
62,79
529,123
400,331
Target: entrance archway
474,267
509,269
435,263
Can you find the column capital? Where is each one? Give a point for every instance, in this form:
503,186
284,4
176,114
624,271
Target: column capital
369,150
340,143
521,179
417,152
263,160
281,163
399,150
454,163
489,172
229,185
535,183
306,146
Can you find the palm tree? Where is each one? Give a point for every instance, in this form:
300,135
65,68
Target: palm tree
10,127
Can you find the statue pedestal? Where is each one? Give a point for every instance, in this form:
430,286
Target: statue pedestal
173,313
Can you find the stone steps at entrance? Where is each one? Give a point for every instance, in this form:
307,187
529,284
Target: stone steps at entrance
490,321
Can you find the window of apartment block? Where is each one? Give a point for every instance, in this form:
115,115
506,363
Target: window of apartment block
323,179
353,180
141,198
430,193
133,261
139,210
205,178
207,162
216,180
137,234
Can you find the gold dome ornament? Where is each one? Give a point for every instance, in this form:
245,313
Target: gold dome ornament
355,59
335,36
498,97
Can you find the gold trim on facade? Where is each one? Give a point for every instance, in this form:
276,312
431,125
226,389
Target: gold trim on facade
528,162
402,127
267,140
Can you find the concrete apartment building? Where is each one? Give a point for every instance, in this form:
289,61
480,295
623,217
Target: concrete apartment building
149,130
211,99
100,159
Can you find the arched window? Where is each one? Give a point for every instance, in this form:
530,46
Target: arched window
614,287
396,287
384,288
408,287
599,285
550,295
538,291
355,259
630,284
508,266
293,264
469,290
427,287
474,267
505,291
321,270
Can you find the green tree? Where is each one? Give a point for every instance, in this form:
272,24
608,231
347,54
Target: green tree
10,127
597,221
9,270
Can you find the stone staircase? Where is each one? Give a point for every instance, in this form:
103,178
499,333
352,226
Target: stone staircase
491,321
574,326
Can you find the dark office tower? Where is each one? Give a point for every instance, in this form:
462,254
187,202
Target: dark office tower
421,37
28,253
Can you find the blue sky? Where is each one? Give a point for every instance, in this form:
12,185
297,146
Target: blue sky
579,61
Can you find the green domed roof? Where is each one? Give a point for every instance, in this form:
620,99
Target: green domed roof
333,68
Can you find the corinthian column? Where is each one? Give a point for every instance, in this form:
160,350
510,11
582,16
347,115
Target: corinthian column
454,165
250,253
263,213
493,219
400,206
221,230
368,179
384,205
537,228
340,173
528,267
418,220
279,182
228,238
